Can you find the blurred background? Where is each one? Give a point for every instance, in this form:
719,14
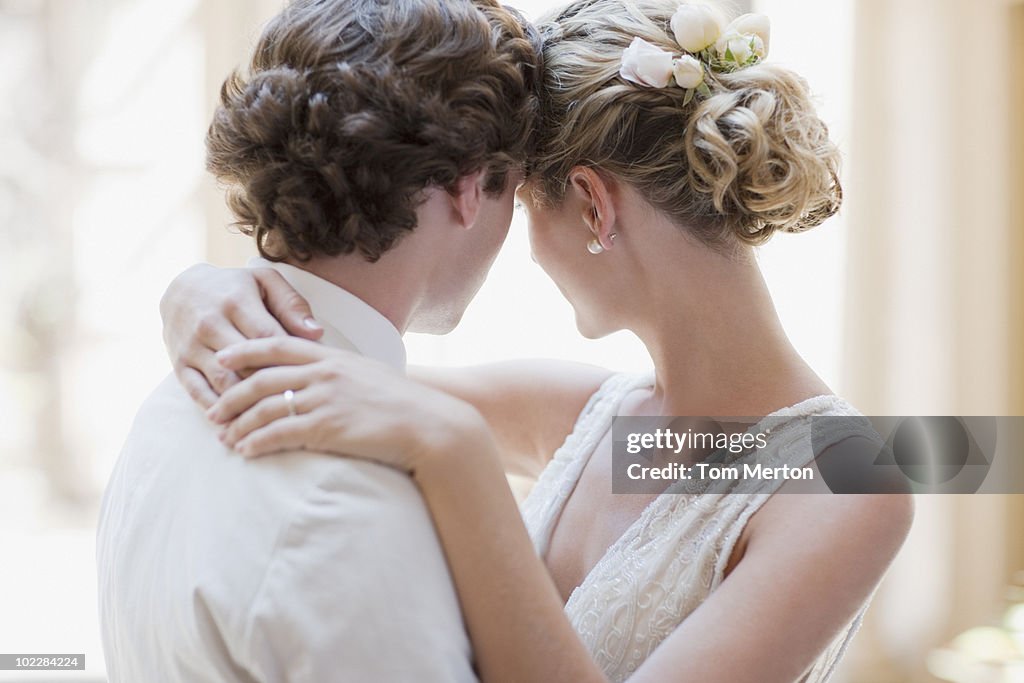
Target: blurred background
908,302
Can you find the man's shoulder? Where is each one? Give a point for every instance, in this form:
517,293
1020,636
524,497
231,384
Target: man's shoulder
266,551
175,477
168,406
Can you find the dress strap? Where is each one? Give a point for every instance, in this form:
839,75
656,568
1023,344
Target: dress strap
543,506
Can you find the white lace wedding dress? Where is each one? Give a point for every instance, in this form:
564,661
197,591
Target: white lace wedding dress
671,559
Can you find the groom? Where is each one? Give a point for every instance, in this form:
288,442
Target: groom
372,150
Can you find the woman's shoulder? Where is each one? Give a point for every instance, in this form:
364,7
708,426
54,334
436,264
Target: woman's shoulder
870,526
866,529
809,514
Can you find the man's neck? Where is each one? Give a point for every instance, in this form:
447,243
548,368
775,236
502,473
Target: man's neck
397,284
382,285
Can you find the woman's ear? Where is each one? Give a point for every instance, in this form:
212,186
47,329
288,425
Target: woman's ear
595,193
467,197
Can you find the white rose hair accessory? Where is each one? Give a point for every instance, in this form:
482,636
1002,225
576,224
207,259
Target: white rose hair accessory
695,27
646,64
689,72
705,45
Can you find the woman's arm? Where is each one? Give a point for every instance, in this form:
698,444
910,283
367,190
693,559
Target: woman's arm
530,405
512,609
810,562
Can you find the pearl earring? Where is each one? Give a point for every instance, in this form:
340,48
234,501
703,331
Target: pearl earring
594,245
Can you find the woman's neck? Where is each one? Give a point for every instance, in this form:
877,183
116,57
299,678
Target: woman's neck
721,350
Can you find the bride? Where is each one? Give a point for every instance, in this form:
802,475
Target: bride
668,149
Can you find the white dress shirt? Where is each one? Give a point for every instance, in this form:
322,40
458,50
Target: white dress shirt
293,567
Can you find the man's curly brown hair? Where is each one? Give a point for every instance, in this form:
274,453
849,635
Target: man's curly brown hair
351,108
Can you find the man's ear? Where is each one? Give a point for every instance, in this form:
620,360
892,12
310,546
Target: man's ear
466,198
595,193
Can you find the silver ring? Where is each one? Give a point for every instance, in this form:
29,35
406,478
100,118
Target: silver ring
289,400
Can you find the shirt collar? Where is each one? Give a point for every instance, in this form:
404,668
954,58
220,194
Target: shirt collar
345,314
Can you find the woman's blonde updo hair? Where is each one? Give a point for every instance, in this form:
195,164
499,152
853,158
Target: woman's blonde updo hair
751,159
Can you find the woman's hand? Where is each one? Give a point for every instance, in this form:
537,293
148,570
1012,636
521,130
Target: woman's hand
206,309
341,403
